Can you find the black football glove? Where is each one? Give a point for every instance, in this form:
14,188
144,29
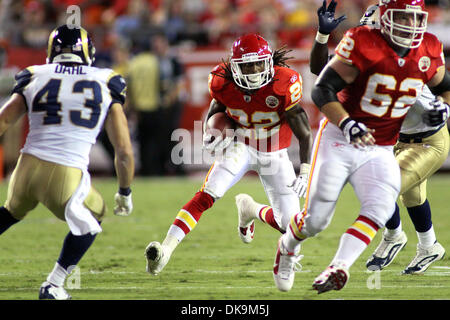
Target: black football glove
438,115
327,22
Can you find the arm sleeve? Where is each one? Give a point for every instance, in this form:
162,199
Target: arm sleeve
23,78
117,87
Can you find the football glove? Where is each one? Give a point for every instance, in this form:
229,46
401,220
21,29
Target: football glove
327,22
300,184
356,133
438,115
124,204
214,144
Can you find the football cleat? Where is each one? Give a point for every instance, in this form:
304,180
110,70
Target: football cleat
334,277
247,213
425,257
284,268
157,257
386,251
49,291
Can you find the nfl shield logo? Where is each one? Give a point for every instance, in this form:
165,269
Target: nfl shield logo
247,98
401,62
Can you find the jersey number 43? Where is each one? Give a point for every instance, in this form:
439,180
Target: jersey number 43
47,100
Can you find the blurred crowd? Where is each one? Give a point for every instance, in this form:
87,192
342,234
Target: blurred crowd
142,39
184,22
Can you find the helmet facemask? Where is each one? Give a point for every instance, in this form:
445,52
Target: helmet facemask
401,32
252,81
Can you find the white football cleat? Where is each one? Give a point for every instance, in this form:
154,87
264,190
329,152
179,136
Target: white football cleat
425,257
334,277
285,265
386,251
157,257
247,213
49,291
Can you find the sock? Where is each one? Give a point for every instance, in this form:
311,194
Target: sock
266,215
293,237
58,275
74,248
188,217
355,240
6,219
421,218
427,238
394,224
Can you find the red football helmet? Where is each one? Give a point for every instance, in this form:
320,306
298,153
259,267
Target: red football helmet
251,49
404,21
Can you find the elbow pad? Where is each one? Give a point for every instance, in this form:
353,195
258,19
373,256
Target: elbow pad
326,87
443,86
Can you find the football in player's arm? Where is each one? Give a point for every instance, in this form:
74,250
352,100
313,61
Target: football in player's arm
67,102
257,90
366,125
425,123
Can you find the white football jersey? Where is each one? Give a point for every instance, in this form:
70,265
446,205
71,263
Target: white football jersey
67,106
413,122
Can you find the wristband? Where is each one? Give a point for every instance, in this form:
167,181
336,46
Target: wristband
125,191
343,122
322,38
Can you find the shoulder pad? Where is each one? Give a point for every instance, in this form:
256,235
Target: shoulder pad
117,87
432,45
283,79
22,78
359,45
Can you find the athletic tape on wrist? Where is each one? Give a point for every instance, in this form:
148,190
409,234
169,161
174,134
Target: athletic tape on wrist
322,38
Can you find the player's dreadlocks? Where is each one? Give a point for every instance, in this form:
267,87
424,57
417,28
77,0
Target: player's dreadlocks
279,59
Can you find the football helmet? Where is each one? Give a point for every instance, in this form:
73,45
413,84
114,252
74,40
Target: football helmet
251,49
404,21
371,17
70,44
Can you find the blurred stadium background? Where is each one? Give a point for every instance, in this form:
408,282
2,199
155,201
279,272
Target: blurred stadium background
199,34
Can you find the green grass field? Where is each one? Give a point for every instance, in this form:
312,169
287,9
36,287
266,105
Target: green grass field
211,263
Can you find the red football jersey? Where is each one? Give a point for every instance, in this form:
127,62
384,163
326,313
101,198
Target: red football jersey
387,84
260,116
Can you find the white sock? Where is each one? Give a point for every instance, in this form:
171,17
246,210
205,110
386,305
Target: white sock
350,248
57,276
171,242
176,232
393,233
289,241
427,238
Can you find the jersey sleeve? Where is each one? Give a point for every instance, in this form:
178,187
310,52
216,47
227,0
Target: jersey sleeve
117,87
23,78
290,85
352,47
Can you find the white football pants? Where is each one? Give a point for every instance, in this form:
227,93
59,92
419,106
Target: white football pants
274,169
373,173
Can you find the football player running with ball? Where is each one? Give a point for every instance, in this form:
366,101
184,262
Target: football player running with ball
365,92
422,149
67,102
257,90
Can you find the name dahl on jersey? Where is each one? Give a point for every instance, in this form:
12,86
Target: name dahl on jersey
75,69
